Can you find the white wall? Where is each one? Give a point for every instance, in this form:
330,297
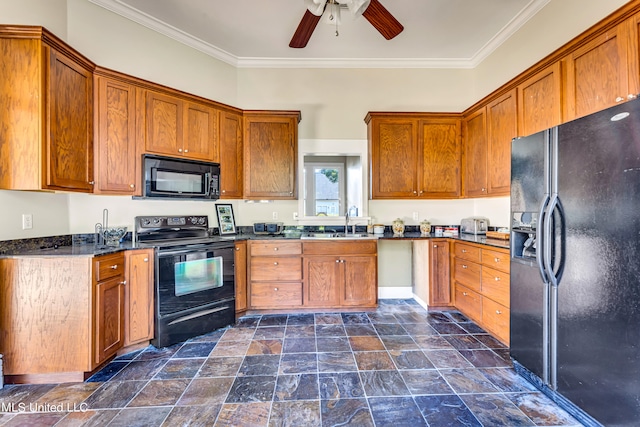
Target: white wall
333,102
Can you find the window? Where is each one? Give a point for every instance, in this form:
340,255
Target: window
324,191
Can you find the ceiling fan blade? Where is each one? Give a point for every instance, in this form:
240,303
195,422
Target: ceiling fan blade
382,20
305,29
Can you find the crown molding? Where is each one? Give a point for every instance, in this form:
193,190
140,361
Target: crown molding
146,20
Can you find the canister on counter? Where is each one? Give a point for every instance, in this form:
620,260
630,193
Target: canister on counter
439,231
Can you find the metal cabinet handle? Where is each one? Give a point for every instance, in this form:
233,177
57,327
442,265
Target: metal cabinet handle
631,96
186,151
92,182
498,312
496,259
484,189
224,191
237,248
275,289
435,246
275,249
497,279
421,191
415,192
465,266
132,186
337,260
124,282
275,263
114,267
179,150
465,294
464,251
619,99
146,260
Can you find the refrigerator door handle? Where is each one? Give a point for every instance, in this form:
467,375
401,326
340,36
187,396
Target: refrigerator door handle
541,241
557,273
549,240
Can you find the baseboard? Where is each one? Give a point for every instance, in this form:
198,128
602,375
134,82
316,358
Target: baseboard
421,302
400,292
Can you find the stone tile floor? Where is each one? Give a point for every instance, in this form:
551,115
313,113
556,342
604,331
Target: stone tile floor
395,366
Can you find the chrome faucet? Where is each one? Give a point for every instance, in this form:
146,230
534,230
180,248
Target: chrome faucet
346,223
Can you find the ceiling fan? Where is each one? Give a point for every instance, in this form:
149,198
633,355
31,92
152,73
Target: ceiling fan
372,10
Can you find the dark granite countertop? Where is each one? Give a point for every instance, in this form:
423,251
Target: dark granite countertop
87,250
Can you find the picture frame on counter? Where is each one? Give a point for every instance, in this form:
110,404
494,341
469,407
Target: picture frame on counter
226,220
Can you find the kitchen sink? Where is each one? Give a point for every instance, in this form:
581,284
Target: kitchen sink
341,236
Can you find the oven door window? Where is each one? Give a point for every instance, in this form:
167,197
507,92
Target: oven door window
198,275
192,278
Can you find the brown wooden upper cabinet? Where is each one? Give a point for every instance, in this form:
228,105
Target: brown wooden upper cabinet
270,154
180,127
539,101
46,93
487,147
117,160
602,72
414,156
231,155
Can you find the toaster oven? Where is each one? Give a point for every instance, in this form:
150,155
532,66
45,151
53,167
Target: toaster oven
474,225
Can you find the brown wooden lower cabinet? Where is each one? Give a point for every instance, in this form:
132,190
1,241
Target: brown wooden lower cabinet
139,296
482,284
63,317
240,270
293,274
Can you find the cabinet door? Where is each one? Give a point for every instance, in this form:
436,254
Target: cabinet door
240,267
116,160
360,281
501,126
270,156
200,132
475,154
231,158
109,318
539,101
164,124
322,281
393,150
597,74
69,143
440,152
439,280
139,301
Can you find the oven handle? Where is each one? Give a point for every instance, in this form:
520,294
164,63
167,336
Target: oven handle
198,314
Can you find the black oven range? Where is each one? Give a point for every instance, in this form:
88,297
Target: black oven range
194,276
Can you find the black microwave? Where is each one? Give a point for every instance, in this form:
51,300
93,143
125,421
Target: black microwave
169,177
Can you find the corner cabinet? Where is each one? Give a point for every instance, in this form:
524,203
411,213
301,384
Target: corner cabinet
51,141
414,155
271,154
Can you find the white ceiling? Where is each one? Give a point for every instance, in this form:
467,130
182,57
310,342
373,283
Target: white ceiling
256,33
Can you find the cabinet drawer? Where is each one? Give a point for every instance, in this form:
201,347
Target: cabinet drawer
495,318
276,295
276,268
341,248
107,266
469,302
495,259
467,273
259,248
468,252
495,285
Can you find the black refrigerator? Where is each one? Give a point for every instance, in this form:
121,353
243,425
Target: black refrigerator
575,264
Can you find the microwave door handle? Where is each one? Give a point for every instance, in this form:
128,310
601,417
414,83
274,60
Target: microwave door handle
207,178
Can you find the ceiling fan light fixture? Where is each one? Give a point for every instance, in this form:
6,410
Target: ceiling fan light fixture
357,7
315,6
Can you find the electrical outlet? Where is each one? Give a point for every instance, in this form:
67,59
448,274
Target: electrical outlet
416,216
295,216
27,221
275,215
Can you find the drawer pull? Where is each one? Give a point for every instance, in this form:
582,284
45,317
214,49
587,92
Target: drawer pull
498,312
146,260
464,251
237,248
275,289
496,259
435,246
275,263
465,266
497,279
275,249
124,282
465,294
114,267
337,260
